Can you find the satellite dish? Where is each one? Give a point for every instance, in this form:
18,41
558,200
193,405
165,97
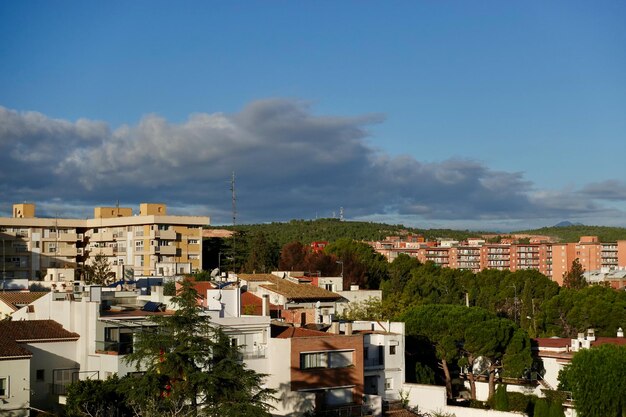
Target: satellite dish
318,305
481,365
215,272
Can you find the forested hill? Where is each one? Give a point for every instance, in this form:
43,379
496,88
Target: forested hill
574,232
307,231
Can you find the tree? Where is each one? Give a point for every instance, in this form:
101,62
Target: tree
597,379
362,265
292,257
191,368
400,272
574,311
99,271
444,326
96,398
575,278
261,255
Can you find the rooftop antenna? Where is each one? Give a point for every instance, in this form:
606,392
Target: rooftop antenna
234,203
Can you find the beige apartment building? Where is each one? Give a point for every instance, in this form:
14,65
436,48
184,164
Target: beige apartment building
549,258
147,243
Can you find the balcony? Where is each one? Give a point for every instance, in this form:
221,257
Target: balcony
106,251
163,250
102,237
112,347
374,363
68,237
163,234
67,251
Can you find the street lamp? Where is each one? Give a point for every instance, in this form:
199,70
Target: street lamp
514,302
341,262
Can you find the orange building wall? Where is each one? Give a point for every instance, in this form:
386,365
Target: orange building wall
621,253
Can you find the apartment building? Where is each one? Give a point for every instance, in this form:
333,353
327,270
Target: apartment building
540,254
147,243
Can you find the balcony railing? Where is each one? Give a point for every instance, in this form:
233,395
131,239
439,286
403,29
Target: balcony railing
113,347
374,362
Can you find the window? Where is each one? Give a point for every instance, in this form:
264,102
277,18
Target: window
388,383
338,396
392,350
193,257
40,374
332,359
339,359
313,360
139,245
4,387
193,241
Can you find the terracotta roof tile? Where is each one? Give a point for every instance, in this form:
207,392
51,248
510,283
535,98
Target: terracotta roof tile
289,289
17,300
253,305
291,332
552,342
12,333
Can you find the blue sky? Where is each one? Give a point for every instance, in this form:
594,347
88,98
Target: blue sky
498,115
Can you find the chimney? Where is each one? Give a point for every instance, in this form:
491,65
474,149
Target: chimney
620,332
591,335
334,327
265,307
349,328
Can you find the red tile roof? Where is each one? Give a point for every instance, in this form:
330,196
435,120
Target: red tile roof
12,333
17,300
291,332
552,342
253,305
609,340
291,290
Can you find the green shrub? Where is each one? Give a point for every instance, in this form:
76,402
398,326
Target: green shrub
501,399
521,402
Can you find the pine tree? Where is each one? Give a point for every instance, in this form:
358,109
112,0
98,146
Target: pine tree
575,277
191,368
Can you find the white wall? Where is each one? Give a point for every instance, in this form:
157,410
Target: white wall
432,398
48,357
18,373
289,403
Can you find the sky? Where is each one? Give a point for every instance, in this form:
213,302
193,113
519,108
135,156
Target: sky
480,115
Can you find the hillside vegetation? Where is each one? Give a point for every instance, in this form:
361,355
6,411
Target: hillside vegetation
574,232
307,231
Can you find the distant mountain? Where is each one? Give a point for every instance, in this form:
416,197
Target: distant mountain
567,223
572,233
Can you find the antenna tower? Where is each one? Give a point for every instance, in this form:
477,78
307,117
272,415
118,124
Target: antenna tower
234,201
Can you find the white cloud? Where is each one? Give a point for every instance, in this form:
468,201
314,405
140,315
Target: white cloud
289,163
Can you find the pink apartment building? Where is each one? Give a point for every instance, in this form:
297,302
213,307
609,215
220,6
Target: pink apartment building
549,258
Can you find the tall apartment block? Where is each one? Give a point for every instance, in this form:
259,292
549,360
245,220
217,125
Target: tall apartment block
150,242
549,258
